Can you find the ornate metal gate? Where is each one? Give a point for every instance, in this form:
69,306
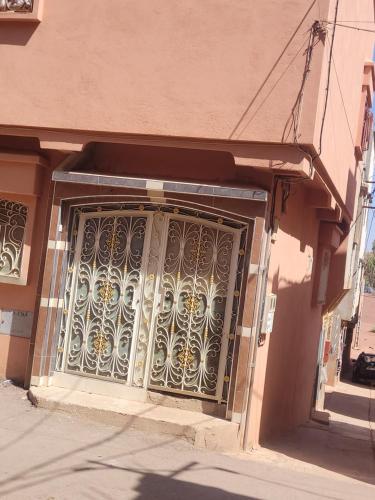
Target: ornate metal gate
151,300
107,281
192,326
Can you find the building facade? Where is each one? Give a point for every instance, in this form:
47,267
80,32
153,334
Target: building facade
341,321
176,198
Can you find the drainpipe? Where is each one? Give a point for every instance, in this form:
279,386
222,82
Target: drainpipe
40,270
258,307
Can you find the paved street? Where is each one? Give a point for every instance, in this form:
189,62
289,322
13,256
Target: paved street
54,456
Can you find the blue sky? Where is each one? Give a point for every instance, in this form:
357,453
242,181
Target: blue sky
370,237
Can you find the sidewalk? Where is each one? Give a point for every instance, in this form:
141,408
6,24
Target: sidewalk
366,337
50,455
345,447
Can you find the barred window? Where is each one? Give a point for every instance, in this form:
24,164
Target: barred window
12,232
367,127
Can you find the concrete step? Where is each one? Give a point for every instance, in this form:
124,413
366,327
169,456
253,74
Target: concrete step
320,416
203,431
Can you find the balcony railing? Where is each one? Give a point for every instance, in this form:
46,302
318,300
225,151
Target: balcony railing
367,129
16,5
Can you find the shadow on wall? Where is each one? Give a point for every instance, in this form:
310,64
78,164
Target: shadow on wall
246,118
16,33
293,343
14,357
351,190
291,360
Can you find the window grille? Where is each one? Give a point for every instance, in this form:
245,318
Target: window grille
12,232
367,128
16,5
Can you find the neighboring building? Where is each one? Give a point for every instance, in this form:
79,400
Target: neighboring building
341,320
178,185
364,338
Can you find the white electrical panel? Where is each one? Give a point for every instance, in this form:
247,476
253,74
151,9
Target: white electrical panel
269,313
16,323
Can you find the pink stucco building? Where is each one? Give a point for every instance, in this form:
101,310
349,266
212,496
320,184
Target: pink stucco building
178,186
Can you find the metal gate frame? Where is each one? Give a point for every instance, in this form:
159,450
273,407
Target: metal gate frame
228,307
149,215
78,249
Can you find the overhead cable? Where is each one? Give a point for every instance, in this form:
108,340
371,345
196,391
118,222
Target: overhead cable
328,81
343,105
349,27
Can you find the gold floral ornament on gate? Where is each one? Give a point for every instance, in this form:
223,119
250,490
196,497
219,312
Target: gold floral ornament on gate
192,304
100,343
106,291
112,241
185,357
198,252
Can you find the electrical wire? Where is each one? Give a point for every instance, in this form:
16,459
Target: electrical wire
286,181
331,61
297,108
350,27
354,21
355,222
328,81
369,197
293,180
251,118
344,107
343,103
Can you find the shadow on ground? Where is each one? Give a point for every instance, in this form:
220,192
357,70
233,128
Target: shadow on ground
44,452
168,488
347,404
71,460
344,447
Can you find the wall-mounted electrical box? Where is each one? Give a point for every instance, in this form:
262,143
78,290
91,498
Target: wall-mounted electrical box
269,313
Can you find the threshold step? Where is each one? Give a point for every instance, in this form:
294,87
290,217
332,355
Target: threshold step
203,431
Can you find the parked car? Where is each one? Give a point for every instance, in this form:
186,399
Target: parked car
368,289
364,367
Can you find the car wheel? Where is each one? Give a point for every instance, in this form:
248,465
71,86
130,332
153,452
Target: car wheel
355,377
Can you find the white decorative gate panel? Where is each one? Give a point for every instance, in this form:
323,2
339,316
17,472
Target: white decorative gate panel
192,327
107,284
